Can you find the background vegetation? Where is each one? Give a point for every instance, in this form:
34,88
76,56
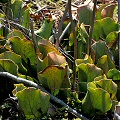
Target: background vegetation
59,59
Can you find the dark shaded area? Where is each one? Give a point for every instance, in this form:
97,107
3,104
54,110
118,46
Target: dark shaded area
9,109
6,87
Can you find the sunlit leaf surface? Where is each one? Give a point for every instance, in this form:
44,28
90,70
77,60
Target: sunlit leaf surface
105,63
87,72
51,59
52,77
7,65
100,99
33,102
103,27
25,48
16,58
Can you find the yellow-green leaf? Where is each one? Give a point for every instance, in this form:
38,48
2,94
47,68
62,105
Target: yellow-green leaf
105,63
51,59
25,48
100,99
103,27
45,30
113,74
7,65
16,58
18,87
87,72
45,47
33,102
16,33
108,85
52,77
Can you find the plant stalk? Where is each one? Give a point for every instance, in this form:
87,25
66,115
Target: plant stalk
75,45
92,27
119,33
33,36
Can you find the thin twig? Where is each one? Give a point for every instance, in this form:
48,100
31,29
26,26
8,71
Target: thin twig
41,8
32,84
74,5
64,31
66,54
92,27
